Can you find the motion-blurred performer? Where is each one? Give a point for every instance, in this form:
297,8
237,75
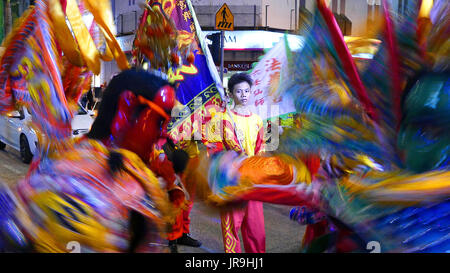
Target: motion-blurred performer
186,180
240,130
98,192
171,164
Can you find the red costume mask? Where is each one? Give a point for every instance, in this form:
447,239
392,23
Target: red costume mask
139,122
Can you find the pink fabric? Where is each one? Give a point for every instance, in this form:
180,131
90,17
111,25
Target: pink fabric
251,222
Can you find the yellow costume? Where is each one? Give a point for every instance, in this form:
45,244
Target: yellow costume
241,133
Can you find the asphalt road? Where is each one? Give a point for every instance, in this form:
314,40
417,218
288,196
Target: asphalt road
11,168
282,234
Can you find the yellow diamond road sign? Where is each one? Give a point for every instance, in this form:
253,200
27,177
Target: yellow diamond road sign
224,18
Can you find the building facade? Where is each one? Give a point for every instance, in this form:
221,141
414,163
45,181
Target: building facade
259,24
269,18
286,14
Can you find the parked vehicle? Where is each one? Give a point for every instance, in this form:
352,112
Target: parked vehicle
16,132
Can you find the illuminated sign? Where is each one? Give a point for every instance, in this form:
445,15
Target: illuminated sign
238,65
256,39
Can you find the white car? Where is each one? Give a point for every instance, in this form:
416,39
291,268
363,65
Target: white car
16,132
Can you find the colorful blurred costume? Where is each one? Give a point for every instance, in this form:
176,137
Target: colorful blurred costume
103,197
78,200
385,170
385,177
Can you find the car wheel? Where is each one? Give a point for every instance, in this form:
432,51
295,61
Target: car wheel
25,152
2,145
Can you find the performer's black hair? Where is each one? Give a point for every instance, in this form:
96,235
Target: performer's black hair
139,82
237,79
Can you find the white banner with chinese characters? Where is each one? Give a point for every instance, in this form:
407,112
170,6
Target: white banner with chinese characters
267,74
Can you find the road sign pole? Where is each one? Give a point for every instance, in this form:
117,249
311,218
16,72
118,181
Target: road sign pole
222,56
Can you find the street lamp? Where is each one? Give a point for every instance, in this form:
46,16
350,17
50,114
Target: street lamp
266,14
